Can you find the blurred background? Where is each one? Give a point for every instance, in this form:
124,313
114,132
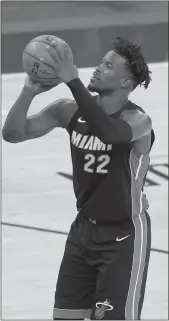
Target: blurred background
87,26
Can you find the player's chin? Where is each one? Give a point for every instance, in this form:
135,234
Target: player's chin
92,87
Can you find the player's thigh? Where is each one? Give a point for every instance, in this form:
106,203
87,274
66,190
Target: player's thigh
121,281
76,283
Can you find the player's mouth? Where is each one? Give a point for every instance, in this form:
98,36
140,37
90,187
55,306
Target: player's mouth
95,76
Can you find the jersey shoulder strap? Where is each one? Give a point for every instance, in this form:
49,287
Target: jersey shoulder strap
73,121
128,106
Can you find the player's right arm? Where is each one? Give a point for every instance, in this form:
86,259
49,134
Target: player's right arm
19,127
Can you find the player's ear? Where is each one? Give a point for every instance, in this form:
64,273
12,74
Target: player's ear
126,83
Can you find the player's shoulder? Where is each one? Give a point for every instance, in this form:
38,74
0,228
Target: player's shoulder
63,110
65,103
135,113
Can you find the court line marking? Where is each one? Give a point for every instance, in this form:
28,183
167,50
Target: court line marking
40,229
149,181
34,228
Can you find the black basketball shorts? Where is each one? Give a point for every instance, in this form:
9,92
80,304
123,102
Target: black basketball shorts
104,269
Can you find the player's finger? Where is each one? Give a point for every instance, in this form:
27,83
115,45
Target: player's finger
59,50
67,52
53,53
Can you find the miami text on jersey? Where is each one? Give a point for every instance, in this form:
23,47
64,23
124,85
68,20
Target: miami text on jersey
88,142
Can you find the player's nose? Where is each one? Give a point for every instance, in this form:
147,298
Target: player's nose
97,69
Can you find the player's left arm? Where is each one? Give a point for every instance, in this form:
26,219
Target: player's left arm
131,126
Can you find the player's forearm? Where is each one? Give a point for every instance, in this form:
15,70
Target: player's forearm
16,120
108,130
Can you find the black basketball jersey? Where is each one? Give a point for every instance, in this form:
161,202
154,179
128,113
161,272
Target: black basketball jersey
108,179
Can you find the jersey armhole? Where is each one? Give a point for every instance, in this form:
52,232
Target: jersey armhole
72,122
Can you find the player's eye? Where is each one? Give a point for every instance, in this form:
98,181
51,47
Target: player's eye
108,66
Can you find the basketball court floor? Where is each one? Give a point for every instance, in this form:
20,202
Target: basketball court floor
38,204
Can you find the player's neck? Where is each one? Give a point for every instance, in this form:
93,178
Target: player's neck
113,103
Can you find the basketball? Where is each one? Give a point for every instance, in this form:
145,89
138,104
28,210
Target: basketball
36,60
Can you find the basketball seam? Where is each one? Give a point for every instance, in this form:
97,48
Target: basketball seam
47,43
41,62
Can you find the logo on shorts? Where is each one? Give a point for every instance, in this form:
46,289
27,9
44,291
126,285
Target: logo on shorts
102,307
122,238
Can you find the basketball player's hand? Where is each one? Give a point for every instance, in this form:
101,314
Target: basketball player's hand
35,87
62,59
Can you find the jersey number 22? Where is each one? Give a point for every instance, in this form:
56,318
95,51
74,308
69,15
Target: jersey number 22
102,161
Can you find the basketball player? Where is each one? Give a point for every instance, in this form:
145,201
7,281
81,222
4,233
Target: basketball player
104,268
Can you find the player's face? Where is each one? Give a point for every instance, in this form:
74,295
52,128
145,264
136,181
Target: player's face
110,75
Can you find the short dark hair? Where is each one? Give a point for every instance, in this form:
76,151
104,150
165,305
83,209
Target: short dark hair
135,61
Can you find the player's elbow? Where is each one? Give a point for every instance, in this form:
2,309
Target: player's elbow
12,137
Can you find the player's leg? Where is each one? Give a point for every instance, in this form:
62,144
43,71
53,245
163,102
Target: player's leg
76,283
122,278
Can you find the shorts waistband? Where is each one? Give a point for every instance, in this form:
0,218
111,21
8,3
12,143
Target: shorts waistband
79,215
93,221
104,223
